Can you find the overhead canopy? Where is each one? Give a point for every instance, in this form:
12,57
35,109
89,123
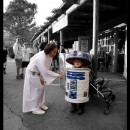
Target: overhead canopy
111,13
80,16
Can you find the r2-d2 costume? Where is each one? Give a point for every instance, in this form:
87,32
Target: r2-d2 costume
77,81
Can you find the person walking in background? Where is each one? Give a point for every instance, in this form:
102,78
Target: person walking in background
55,62
17,49
26,56
63,50
5,53
37,73
31,51
42,46
101,59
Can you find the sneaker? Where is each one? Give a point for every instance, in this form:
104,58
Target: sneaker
73,109
18,77
22,76
38,112
43,107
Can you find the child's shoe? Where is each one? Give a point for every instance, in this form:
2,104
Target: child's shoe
73,109
80,111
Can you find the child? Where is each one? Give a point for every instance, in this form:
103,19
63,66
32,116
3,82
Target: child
79,60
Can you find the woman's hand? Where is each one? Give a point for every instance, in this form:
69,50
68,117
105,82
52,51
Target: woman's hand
61,75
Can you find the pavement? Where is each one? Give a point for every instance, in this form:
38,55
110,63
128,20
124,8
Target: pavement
58,116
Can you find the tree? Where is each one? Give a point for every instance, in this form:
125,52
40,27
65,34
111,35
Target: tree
8,39
18,19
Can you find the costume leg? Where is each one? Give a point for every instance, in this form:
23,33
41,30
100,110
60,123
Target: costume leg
73,107
81,108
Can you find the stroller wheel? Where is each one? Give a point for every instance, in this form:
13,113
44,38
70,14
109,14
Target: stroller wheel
112,101
91,96
106,110
113,97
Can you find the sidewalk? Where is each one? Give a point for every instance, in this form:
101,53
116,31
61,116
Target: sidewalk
58,116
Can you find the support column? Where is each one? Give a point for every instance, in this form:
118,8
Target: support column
115,51
61,40
95,34
48,35
125,56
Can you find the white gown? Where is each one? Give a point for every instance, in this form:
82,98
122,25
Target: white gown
34,92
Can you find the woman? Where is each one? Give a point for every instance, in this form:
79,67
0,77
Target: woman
37,72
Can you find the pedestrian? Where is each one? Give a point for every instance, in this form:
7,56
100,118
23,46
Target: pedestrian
42,45
17,49
101,59
31,51
37,73
78,60
26,56
5,53
55,62
63,50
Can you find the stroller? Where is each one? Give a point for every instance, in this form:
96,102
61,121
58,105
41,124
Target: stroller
99,88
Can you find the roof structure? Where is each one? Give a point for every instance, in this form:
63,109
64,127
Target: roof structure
51,19
80,16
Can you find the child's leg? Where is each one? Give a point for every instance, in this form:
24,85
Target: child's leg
81,108
73,107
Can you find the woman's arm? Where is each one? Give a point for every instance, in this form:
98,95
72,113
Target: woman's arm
43,64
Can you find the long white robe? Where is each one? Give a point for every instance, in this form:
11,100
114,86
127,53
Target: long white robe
34,92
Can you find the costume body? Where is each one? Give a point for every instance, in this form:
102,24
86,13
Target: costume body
34,92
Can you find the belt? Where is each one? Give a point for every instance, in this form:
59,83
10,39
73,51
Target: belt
34,73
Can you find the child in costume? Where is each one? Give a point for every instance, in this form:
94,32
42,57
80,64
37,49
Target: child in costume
79,60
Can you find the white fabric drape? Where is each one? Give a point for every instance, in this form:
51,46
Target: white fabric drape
34,92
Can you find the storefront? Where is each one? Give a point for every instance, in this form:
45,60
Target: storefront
113,42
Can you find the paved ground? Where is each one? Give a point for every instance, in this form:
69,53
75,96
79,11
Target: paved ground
58,116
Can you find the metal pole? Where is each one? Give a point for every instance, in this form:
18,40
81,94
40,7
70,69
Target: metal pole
61,40
95,33
48,35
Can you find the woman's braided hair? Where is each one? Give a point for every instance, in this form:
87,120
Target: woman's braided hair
49,47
